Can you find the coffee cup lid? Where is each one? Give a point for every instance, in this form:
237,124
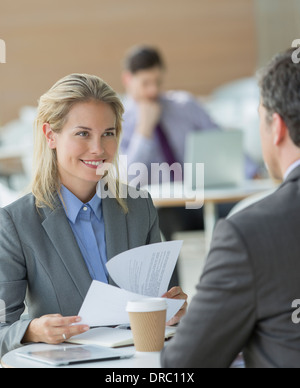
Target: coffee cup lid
146,305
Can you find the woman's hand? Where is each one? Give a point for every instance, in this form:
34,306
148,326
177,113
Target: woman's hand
53,329
177,293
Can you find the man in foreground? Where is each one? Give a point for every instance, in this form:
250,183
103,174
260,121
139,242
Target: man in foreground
247,297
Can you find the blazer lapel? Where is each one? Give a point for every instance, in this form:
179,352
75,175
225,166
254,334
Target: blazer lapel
60,233
64,241
115,228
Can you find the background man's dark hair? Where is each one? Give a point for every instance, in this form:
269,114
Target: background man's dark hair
280,91
143,58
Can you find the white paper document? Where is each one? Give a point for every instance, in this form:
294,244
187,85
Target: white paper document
141,272
105,305
146,270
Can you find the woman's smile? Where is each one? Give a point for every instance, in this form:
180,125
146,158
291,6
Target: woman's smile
94,164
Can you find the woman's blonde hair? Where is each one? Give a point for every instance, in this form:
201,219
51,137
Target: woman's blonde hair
54,107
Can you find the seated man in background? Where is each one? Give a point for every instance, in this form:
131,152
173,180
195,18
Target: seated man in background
248,295
155,128
155,123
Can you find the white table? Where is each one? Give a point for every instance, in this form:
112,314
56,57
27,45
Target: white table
139,360
146,360
165,196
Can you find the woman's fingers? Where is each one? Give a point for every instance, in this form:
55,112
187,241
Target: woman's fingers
177,318
66,327
54,329
67,332
177,293
58,320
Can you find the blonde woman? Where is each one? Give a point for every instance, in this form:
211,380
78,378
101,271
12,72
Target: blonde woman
56,240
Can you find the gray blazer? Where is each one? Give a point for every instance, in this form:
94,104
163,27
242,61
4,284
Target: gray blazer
40,260
244,298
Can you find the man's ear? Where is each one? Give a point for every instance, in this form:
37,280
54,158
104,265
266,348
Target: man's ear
50,136
279,128
126,78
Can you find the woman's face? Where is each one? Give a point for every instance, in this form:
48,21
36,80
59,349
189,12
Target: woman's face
87,140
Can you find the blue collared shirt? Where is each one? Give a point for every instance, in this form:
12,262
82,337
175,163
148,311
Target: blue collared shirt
87,223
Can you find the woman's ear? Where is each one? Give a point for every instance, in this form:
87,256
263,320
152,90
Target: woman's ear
50,136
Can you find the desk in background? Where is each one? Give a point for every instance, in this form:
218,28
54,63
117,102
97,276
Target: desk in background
212,198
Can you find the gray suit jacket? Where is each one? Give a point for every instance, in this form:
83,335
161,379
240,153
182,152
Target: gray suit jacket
244,298
40,260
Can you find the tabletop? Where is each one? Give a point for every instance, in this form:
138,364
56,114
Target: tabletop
138,361
177,195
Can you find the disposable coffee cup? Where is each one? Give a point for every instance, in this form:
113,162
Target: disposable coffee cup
148,323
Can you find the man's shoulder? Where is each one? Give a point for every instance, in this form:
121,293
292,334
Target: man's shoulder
177,97
129,104
22,204
284,203
171,97
21,212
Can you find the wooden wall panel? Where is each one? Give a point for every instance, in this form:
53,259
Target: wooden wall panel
205,42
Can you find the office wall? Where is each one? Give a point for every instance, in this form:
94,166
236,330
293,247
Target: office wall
277,26
206,42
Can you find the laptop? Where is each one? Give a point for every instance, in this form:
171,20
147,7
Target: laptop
222,153
63,355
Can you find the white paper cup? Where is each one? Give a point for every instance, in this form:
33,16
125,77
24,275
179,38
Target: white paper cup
148,323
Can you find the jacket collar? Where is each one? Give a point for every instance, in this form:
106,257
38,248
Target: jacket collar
292,177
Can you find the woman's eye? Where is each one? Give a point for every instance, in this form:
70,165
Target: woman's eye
82,134
109,134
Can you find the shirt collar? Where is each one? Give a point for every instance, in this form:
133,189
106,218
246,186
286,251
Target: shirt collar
291,169
73,205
